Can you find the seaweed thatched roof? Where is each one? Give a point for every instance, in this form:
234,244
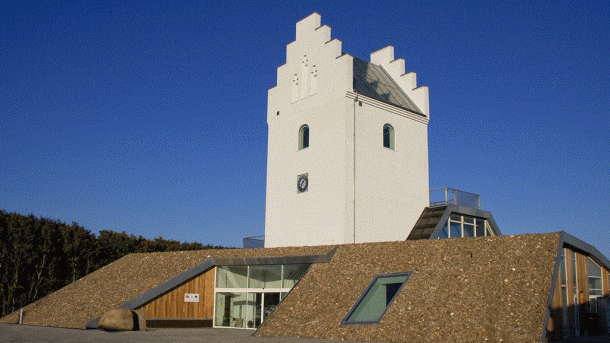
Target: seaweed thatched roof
74,305
461,290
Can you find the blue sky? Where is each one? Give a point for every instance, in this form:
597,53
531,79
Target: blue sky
150,117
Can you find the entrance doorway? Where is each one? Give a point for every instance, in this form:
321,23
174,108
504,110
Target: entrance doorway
265,303
246,295
246,310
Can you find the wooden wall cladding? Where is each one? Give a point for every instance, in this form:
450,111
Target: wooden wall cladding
172,304
555,326
557,320
583,279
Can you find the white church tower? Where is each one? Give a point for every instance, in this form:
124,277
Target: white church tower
348,145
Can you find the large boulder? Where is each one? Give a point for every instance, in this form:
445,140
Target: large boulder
120,319
140,320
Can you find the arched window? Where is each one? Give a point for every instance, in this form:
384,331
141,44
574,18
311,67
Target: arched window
388,136
303,137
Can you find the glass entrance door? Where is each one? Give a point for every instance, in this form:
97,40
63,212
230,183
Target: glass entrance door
264,304
246,295
258,305
270,303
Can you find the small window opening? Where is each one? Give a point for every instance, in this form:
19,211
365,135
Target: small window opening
303,137
388,136
376,299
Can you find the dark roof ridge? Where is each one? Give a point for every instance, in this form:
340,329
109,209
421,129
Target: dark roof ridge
589,249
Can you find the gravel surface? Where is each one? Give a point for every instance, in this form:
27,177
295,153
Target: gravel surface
28,333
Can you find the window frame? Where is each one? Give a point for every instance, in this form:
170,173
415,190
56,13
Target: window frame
371,284
391,138
477,224
593,302
303,137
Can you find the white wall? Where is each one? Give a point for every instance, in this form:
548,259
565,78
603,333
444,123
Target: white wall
391,186
316,216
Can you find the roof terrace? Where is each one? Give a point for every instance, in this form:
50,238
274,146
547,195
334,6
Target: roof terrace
449,196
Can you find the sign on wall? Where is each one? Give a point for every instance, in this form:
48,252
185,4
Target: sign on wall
191,297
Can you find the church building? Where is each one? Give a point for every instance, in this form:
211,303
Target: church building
348,145
356,247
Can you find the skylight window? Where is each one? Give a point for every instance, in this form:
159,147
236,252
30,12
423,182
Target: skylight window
376,299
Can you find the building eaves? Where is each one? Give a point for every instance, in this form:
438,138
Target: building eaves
588,249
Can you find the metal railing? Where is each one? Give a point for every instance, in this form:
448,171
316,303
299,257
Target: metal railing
254,242
445,196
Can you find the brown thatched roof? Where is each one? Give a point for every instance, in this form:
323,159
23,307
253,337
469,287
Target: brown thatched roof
470,289
461,290
125,279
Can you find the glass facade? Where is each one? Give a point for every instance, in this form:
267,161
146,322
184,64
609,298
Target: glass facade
232,277
292,273
459,226
595,285
595,278
246,295
265,276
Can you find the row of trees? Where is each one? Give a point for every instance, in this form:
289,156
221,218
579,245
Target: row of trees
39,256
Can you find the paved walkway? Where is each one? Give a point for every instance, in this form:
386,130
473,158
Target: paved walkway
25,333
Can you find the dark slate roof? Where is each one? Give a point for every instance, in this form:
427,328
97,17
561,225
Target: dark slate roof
432,219
461,290
374,82
427,222
131,279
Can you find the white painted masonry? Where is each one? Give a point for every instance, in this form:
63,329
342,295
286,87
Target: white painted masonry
358,190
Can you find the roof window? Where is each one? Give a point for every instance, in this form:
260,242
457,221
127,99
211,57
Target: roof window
376,299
